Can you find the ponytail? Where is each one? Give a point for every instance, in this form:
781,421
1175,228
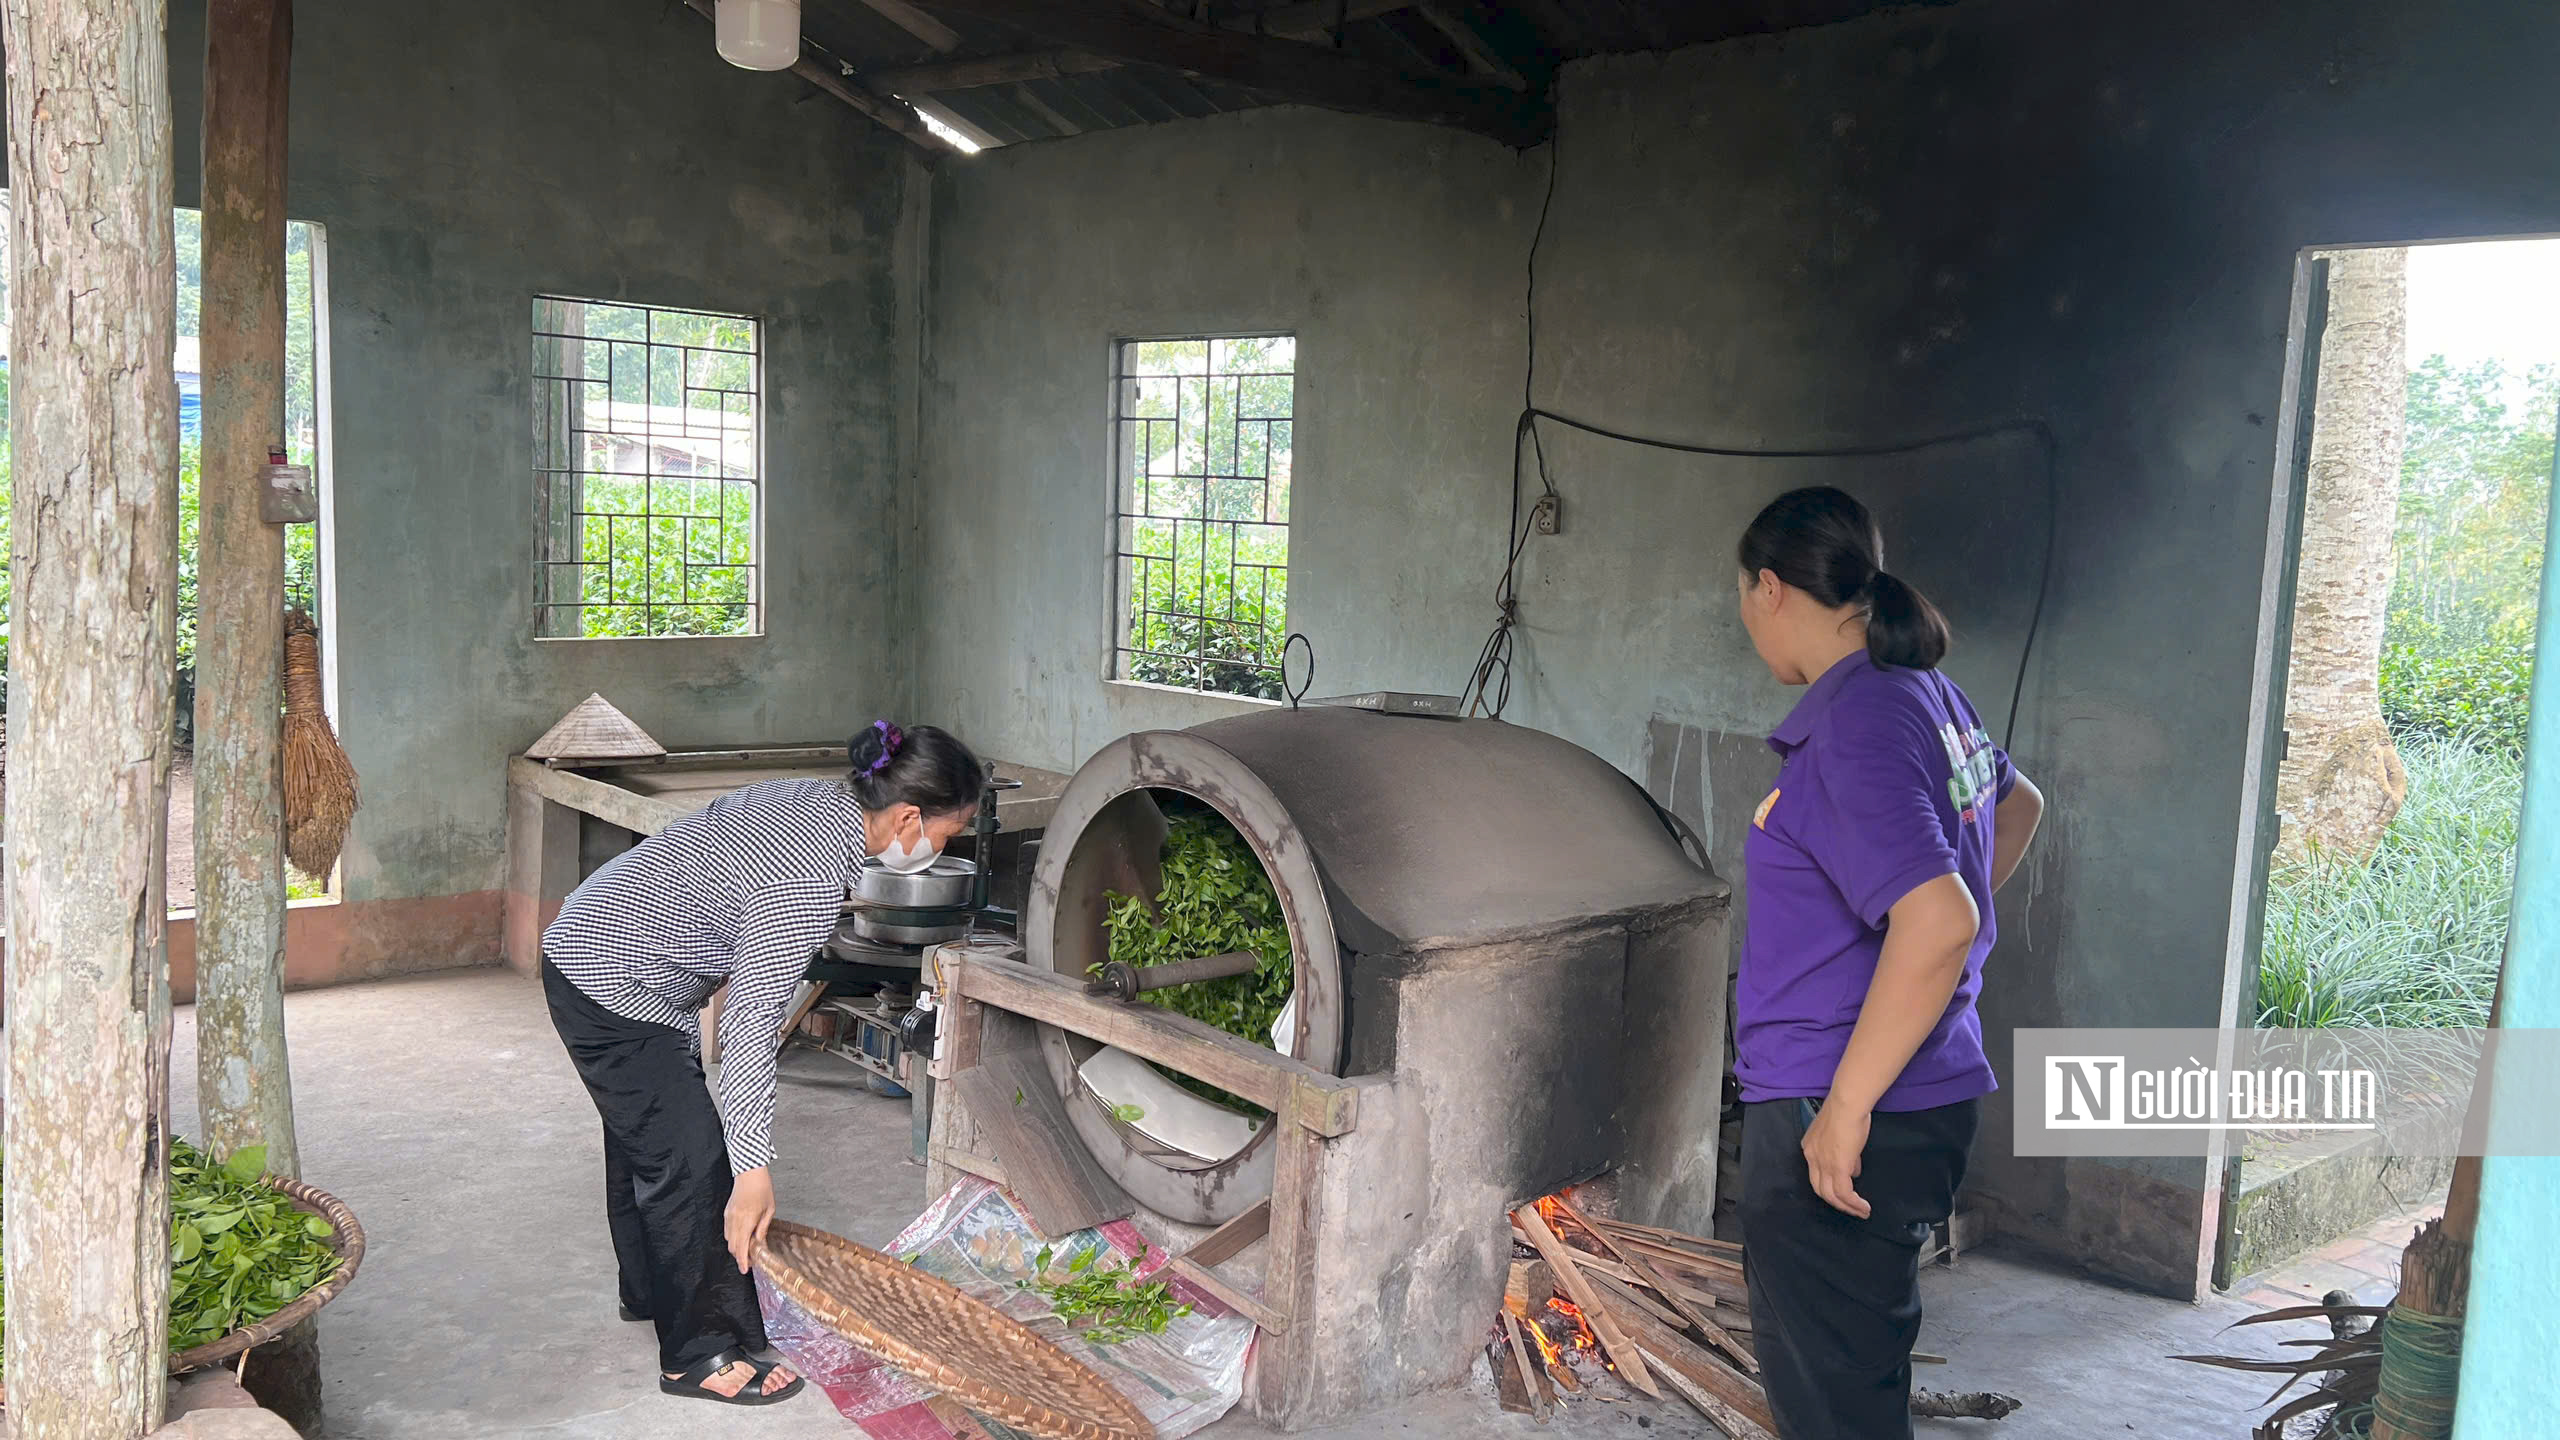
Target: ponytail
1903,628
1822,541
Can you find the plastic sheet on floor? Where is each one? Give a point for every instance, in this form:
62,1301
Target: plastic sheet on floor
979,1240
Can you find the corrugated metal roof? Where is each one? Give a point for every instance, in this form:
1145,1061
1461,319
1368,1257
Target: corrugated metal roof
1510,43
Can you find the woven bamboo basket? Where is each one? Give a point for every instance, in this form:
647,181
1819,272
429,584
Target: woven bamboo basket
967,1349
348,1242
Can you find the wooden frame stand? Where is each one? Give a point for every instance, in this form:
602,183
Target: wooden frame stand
1042,1161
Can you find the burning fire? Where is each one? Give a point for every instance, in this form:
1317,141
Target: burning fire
1547,1350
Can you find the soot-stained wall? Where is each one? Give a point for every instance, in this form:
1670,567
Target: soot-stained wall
1906,227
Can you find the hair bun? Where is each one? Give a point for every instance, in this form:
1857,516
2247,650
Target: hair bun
873,749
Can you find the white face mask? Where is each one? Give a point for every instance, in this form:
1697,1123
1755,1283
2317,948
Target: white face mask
901,859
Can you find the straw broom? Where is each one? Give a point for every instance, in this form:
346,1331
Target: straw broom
319,783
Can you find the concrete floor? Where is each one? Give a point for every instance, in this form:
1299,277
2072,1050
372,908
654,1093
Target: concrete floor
444,1113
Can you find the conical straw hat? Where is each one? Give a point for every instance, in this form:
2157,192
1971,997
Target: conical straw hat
595,731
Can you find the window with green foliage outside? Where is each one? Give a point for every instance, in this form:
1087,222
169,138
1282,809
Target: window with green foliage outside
648,468
1204,429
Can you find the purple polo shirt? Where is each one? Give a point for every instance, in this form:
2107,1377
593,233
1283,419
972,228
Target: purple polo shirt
1888,782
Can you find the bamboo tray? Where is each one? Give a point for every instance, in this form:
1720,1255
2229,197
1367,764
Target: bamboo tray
348,1241
969,1350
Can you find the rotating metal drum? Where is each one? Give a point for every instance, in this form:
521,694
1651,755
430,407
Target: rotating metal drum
1113,829
1414,860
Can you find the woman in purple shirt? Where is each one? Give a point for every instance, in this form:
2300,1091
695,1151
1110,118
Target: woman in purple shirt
1870,868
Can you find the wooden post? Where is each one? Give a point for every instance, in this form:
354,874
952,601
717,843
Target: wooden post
240,890
242,1077
94,429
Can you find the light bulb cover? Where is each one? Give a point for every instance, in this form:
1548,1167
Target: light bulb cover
759,34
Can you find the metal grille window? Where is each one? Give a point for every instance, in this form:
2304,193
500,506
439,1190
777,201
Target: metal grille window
647,446
1203,438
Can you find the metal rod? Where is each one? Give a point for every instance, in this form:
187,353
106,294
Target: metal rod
1124,982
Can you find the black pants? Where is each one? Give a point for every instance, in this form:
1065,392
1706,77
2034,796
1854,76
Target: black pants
1835,1300
666,1178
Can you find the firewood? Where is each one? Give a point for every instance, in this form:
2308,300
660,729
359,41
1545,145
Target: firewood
1964,1405
1735,1424
1510,1387
1612,1340
1556,1369
1693,1361
1700,1243
1531,1285
1731,1309
1534,1375
1647,1275
1696,1263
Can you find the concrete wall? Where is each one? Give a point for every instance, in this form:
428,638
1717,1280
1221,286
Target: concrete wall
1865,233
462,158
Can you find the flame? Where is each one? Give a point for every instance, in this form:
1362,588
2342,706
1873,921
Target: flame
1583,1338
1547,1350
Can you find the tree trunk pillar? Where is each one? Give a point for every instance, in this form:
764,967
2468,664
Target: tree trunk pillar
242,1071
240,887
94,430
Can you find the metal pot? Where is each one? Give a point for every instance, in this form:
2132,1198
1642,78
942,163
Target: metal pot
931,905
948,883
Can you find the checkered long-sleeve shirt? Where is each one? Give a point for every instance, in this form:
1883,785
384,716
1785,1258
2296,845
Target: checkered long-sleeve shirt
738,893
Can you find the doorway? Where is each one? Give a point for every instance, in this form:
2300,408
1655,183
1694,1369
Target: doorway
2427,397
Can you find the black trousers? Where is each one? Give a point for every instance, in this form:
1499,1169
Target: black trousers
666,1178
1835,1300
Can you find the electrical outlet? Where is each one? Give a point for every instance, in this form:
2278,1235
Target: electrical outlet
1548,515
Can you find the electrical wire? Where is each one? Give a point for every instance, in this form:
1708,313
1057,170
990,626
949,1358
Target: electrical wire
1488,689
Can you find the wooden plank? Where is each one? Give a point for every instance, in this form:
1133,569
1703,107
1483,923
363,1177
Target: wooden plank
1327,1104
1510,1384
1047,1165
1309,74
1677,1237
1578,1285
811,992
1233,1238
935,77
1198,1265
1235,1297
1471,44
1733,1422
960,1035
1661,1285
1730,1309
1288,1269
1528,1288
1315,19
971,72
1542,1392
917,23
1692,1362
985,1167
1709,1267
589,796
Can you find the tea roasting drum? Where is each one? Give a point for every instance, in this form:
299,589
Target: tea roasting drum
1498,924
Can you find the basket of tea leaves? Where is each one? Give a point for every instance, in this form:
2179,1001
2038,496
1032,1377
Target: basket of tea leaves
251,1255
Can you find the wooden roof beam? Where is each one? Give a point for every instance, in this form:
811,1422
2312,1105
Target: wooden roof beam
1304,73
888,114
974,72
